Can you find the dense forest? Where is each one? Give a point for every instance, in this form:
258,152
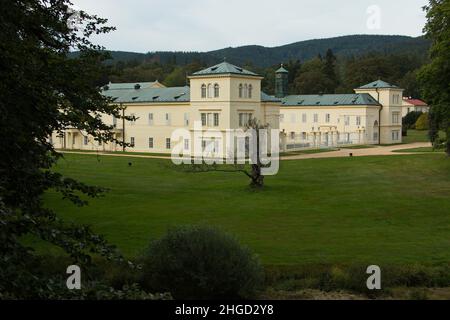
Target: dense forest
335,65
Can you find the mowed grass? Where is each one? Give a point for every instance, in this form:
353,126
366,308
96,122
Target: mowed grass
416,136
377,210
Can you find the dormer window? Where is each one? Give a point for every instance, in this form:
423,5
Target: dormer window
203,91
216,90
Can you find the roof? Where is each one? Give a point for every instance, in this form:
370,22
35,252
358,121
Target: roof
152,95
132,85
328,100
224,68
267,98
416,102
282,70
379,84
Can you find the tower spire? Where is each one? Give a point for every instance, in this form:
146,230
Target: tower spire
281,82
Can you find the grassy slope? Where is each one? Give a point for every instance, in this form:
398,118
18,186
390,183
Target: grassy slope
372,209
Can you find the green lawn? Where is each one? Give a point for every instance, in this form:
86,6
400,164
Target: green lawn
378,210
413,150
416,136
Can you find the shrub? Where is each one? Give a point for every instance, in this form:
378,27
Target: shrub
423,122
410,119
200,263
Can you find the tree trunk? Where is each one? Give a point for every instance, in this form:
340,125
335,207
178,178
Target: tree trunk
257,178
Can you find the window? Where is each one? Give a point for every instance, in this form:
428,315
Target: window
347,120
327,118
150,119
304,136
316,117
210,91
216,119
186,119
216,90
396,135
167,143
240,90
210,119
244,119
133,122
132,142
292,135
203,91
395,117
150,143
86,141
114,122
358,121
250,91
168,119
396,99
203,115
304,118
186,144
203,145
375,136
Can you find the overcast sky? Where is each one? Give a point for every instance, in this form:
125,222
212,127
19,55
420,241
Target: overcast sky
203,25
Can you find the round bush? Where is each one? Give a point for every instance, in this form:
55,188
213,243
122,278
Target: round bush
200,263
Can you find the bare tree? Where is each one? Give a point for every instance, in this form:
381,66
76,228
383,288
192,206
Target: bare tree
254,154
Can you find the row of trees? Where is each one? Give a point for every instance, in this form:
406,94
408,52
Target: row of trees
323,74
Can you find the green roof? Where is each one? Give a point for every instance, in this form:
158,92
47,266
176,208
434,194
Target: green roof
282,70
131,85
330,100
267,98
224,68
152,95
379,84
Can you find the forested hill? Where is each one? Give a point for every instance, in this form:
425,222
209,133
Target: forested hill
259,56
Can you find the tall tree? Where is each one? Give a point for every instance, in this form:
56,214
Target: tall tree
43,91
329,68
435,76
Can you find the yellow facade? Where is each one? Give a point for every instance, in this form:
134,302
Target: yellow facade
223,97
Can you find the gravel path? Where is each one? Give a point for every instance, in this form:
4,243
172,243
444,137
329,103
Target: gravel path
375,151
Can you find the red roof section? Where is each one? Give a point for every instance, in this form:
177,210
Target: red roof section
416,102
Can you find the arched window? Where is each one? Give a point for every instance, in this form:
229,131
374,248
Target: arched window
240,90
216,90
210,90
203,91
245,91
250,91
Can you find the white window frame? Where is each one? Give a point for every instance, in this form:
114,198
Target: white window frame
168,144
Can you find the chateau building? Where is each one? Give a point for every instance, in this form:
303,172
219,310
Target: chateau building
223,97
